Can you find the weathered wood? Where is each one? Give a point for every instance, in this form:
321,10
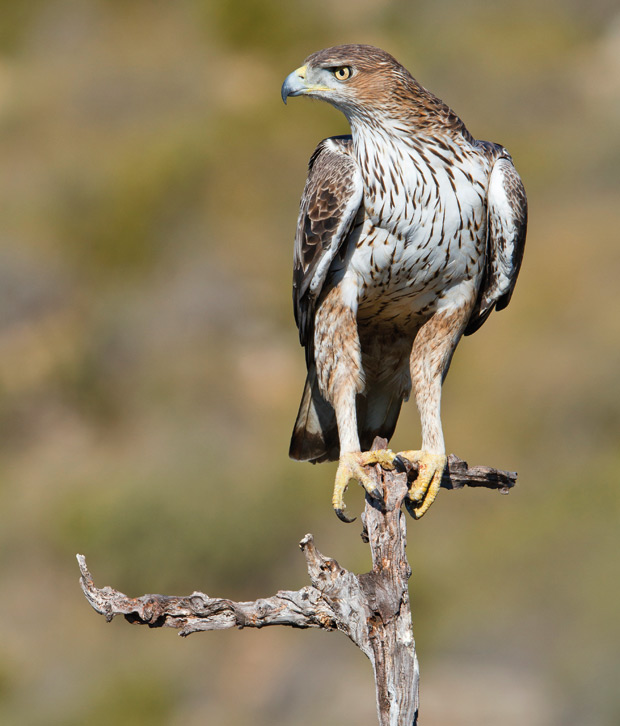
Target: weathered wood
389,627
458,475
198,612
372,609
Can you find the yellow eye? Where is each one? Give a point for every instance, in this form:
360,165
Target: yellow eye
342,74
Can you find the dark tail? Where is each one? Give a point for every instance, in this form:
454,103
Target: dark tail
315,436
377,413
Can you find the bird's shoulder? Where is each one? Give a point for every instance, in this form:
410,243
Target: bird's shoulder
507,213
330,201
342,144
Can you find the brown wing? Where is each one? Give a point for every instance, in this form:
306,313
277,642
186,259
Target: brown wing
329,204
506,229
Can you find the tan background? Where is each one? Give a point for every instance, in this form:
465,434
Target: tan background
150,372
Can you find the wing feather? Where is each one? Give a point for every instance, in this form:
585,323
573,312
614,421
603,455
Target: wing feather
330,201
506,230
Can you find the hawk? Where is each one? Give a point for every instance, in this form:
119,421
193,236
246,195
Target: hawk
410,233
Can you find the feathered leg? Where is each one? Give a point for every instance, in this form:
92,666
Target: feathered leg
430,359
340,376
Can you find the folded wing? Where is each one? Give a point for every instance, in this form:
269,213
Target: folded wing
506,229
330,202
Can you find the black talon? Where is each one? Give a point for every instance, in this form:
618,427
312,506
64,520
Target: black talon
376,493
343,517
410,508
400,464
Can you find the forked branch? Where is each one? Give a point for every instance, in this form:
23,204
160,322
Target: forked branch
372,609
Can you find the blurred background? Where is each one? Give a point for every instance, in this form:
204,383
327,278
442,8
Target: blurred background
150,371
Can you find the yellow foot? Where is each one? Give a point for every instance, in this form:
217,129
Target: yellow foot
351,468
424,489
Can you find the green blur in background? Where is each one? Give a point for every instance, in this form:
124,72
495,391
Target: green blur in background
150,372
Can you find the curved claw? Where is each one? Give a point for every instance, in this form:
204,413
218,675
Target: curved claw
424,489
423,504
351,467
399,464
410,508
343,517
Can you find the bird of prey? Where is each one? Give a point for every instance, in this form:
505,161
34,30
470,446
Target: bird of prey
410,233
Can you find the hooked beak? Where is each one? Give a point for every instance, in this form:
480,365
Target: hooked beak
294,84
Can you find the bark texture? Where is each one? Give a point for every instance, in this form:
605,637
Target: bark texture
372,609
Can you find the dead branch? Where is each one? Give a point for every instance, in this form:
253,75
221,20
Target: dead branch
372,609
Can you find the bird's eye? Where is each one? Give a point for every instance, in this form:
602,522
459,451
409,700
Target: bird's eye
343,73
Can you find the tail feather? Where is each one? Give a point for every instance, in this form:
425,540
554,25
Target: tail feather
377,414
315,435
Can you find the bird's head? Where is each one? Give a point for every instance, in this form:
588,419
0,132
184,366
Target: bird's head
356,79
